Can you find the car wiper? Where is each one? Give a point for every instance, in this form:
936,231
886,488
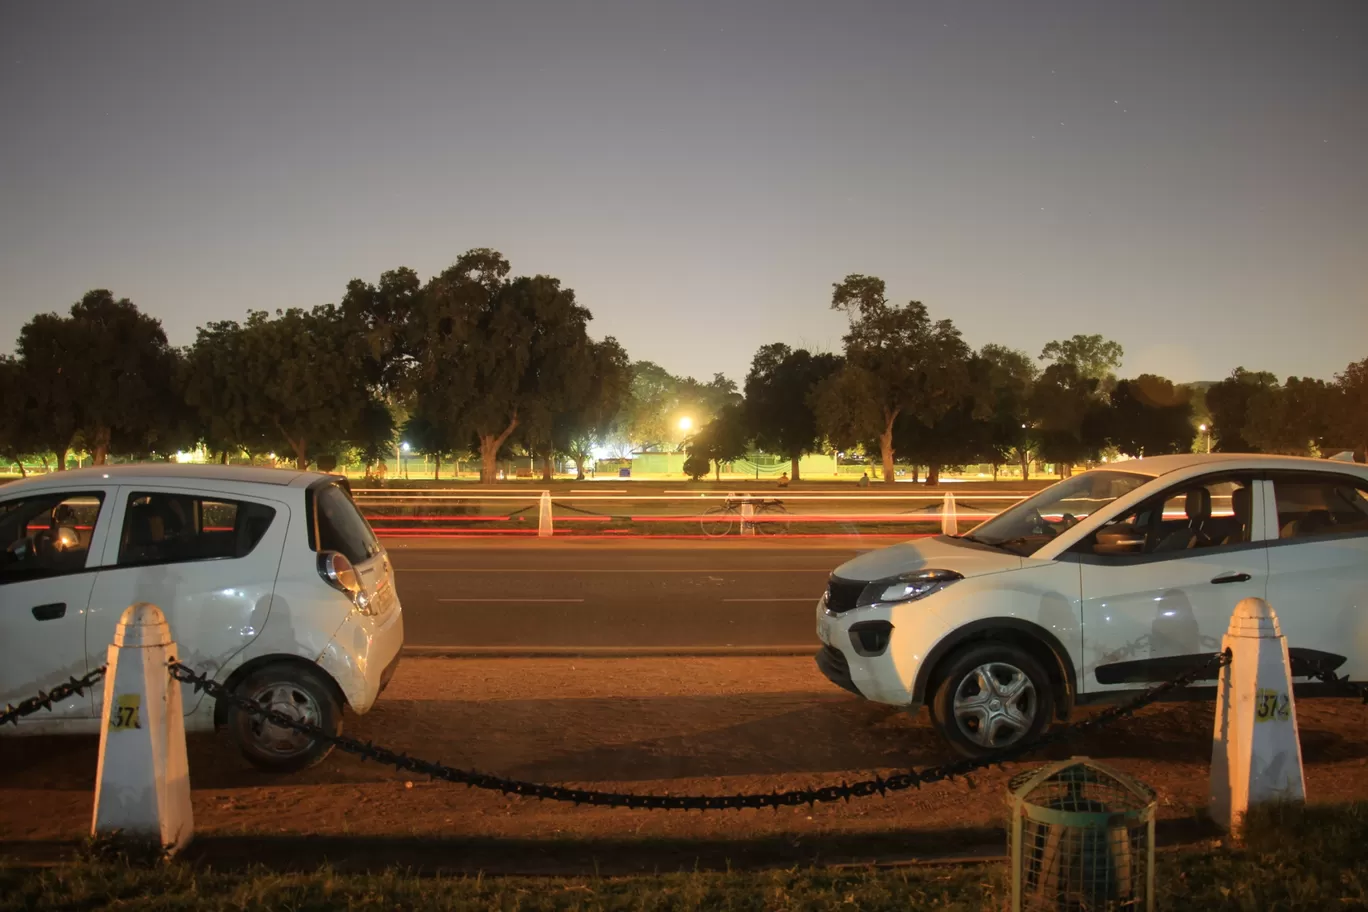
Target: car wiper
1005,544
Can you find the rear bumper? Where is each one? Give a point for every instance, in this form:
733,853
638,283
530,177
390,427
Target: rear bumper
388,673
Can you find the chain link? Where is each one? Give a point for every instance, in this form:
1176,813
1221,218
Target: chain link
1344,686
877,785
64,691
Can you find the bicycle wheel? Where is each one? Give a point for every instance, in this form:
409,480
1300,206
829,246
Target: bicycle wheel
772,526
717,522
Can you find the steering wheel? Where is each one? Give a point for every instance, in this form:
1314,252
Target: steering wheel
1040,525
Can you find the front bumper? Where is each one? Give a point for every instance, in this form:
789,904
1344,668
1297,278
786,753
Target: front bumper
832,663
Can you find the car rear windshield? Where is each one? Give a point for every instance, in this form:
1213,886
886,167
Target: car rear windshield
339,526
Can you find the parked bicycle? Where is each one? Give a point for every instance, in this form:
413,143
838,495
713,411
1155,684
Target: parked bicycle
718,521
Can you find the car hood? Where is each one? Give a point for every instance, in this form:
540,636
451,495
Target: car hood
939,553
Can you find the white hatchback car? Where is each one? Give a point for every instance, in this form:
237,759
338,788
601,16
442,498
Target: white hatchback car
1102,584
270,579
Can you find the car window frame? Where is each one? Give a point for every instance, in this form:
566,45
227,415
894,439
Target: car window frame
1076,551
125,496
98,533
1275,526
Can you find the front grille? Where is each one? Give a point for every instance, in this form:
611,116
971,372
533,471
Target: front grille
842,594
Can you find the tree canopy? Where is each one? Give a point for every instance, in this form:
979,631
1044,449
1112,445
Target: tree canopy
778,399
898,362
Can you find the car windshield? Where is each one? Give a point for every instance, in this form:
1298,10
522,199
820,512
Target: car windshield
1026,527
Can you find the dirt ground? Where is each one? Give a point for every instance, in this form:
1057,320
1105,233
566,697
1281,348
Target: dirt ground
661,725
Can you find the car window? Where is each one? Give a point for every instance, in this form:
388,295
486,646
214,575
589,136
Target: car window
1321,505
1027,526
339,526
1204,513
47,534
162,528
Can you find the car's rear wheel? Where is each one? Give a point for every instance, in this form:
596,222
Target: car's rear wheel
991,697
299,694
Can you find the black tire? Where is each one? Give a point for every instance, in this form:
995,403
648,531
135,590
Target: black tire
772,526
1004,719
717,522
291,688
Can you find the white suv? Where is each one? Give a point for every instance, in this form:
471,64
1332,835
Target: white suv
1103,583
270,579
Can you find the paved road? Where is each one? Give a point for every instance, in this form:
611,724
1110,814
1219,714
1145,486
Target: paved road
613,595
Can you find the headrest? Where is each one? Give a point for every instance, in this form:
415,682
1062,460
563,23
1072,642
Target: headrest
1198,505
1241,499
147,524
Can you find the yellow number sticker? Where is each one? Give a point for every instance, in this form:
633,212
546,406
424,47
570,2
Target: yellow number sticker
1271,705
125,712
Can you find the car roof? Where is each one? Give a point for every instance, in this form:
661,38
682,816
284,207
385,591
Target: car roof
168,473
1156,466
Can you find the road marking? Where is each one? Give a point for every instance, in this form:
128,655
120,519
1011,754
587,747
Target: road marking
809,599
557,600
576,570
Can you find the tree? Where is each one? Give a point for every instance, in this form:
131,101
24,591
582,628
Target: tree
20,427
105,371
1068,416
897,362
1228,402
777,407
1150,416
595,415
380,317
1094,357
288,382
1011,375
1293,419
697,465
429,438
493,354
724,439
1351,405
222,398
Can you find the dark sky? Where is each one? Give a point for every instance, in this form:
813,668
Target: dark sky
1190,179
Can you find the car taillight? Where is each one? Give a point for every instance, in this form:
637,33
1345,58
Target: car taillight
339,573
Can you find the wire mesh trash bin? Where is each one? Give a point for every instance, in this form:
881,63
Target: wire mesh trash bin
1082,839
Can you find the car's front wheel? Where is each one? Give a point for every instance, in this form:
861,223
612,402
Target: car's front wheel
991,696
299,694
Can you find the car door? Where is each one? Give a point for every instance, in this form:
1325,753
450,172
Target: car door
52,542
1160,583
207,560
1318,564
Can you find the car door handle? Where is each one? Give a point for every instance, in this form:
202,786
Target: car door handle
49,612
1231,578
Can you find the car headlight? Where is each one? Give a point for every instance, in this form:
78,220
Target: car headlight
907,587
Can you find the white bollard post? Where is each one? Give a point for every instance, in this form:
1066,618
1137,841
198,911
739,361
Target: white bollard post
142,787
949,522
544,516
1255,750
748,518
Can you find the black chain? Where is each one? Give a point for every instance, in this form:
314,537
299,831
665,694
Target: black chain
64,691
1344,686
879,785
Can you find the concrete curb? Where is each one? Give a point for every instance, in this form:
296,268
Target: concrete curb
604,652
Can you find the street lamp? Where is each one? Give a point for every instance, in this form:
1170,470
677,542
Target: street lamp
403,461
1206,432
685,423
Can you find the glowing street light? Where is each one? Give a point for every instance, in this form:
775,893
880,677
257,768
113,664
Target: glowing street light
406,446
685,423
1206,432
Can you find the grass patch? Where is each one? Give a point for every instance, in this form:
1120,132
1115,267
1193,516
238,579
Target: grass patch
1294,859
